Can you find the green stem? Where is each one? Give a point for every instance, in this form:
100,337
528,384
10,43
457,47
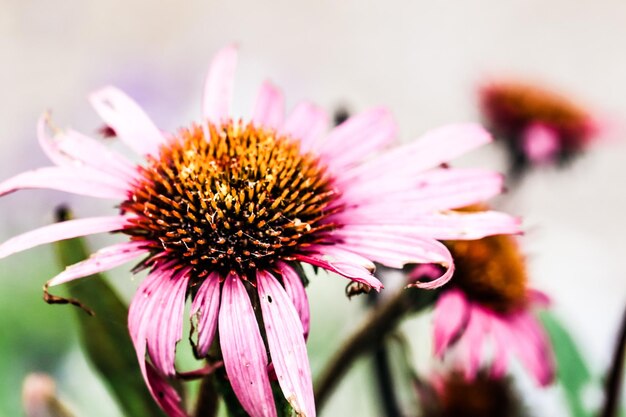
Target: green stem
369,336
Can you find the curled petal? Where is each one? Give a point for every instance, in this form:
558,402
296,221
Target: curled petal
71,149
82,181
306,123
60,231
219,85
269,110
344,263
103,260
286,343
131,124
206,307
296,292
243,351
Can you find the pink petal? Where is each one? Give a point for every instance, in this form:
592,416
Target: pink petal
432,149
71,149
167,320
540,143
164,394
344,263
539,298
286,343
421,192
306,123
358,137
472,340
451,315
449,226
243,350
131,124
75,180
296,292
532,347
206,307
140,314
103,260
501,346
269,110
397,250
219,85
60,231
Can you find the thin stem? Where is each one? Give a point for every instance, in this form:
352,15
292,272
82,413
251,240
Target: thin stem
385,383
207,398
368,336
616,374
382,371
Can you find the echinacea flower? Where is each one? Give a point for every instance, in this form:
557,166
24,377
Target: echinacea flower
224,211
453,395
488,303
538,126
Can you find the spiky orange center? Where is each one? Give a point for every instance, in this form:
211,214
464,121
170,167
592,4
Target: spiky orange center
233,197
490,271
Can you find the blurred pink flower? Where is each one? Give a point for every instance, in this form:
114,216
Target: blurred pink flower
224,211
488,301
537,125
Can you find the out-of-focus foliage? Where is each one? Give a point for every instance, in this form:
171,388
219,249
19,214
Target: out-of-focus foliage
105,336
572,372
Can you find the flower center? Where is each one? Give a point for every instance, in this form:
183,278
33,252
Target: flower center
230,198
490,271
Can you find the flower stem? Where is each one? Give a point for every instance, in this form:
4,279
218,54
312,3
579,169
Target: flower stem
369,335
616,374
382,371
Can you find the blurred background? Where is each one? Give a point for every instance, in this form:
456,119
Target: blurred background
423,60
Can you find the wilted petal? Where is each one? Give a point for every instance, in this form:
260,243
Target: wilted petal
131,124
286,343
206,308
450,317
219,85
269,110
102,260
243,350
296,292
60,231
540,143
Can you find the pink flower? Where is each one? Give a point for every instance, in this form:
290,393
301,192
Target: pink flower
537,125
224,211
488,301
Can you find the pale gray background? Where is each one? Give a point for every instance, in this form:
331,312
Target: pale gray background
421,59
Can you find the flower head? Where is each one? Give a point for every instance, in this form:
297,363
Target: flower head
224,211
537,125
483,396
488,299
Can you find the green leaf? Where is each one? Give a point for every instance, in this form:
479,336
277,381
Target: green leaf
105,336
572,371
